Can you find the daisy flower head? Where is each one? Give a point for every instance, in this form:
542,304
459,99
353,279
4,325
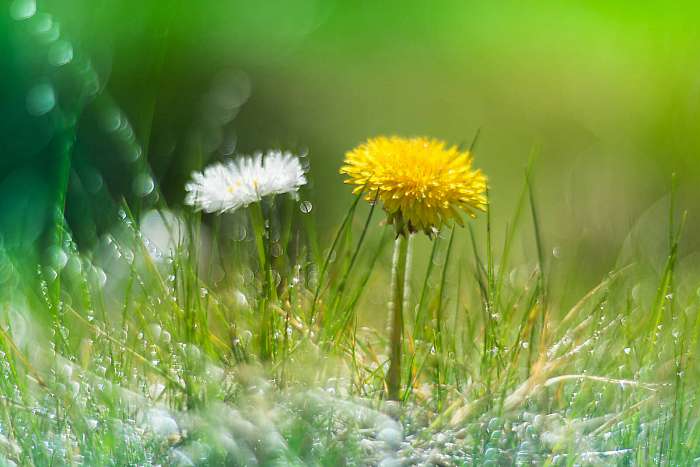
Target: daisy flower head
421,182
225,187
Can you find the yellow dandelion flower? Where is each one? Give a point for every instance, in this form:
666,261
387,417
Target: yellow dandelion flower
421,182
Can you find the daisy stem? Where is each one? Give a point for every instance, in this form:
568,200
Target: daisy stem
257,220
398,286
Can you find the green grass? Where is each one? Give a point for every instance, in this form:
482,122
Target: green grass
220,352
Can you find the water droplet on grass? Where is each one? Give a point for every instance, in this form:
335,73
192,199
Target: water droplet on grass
60,53
41,23
276,250
305,207
240,298
22,9
239,232
332,257
57,257
50,274
50,35
100,277
41,99
143,184
111,119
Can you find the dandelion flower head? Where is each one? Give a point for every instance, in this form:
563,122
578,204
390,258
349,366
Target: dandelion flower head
422,182
225,187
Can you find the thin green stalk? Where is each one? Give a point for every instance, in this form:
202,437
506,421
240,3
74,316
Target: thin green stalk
538,235
334,245
398,282
349,309
541,283
356,253
420,314
257,221
438,319
288,204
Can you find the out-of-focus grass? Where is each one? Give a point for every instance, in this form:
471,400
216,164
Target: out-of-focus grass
151,352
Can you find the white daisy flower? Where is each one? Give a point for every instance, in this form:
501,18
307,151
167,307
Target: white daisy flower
225,187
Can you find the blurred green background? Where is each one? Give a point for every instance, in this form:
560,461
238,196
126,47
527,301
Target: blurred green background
604,94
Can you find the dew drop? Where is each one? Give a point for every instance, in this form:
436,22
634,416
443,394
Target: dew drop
133,153
57,257
239,232
91,83
60,53
332,257
143,184
100,277
305,207
636,292
111,120
22,9
128,256
276,250
51,274
41,23
240,298
52,34
41,99
276,278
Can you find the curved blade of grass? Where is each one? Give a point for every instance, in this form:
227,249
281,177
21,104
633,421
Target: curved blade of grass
438,320
350,308
420,312
340,289
344,225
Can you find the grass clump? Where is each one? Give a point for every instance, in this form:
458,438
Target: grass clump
149,350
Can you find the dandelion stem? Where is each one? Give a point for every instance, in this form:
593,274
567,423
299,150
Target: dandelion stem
398,285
